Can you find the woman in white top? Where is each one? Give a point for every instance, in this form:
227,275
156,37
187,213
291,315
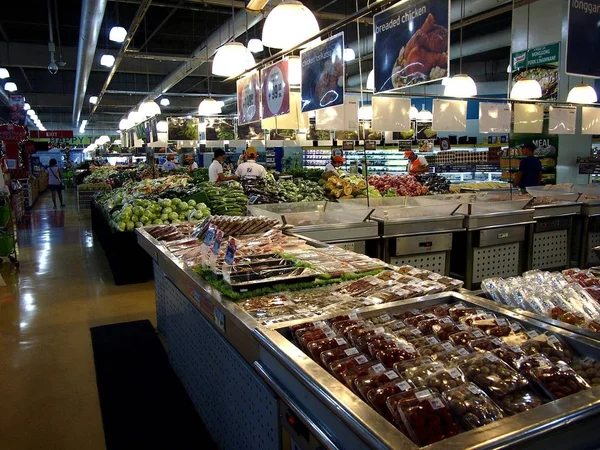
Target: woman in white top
55,183
215,170
251,169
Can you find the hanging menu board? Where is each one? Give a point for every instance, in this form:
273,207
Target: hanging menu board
583,38
275,90
323,74
248,98
411,43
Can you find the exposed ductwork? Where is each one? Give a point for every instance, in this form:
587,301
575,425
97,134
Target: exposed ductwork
92,13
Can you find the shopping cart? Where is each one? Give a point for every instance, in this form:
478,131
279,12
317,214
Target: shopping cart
8,248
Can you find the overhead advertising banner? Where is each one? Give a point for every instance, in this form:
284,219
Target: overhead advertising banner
275,90
411,44
248,98
583,38
17,109
323,74
541,64
180,129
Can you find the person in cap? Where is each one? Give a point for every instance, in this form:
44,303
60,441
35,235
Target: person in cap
215,170
192,165
530,168
250,168
169,163
416,164
334,165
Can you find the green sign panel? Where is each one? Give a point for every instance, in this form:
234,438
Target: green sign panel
535,57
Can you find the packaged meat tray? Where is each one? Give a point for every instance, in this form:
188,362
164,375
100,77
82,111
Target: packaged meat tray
471,406
520,401
365,384
492,374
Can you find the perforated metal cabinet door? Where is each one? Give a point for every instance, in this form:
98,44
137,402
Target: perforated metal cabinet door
435,262
161,307
550,250
495,261
239,410
593,241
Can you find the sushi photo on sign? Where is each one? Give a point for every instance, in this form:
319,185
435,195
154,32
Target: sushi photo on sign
323,74
411,44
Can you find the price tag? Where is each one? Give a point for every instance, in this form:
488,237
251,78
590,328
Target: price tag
421,395
329,334
447,346
446,320
430,316
474,389
377,369
501,322
320,324
403,386
478,333
415,331
353,316
532,334
416,312
391,375
398,325
217,243
431,340
496,341
351,351
379,330
361,359
480,311
409,348
340,341
454,373
210,235
230,252
252,199
462,352
461,326
588,360
515,327
385,318
491,358
436,403
552,339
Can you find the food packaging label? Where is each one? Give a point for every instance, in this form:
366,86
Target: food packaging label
340,341
478,333
385,318
515,326
351,351
361,359
377,369
473,388
447,346
425,393
462,352
353,316
446,320
454,373
403,386
436,403
391,375
432,340
532,334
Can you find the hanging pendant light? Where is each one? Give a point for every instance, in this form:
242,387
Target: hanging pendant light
165,102
124,124
4,73
107,60
232,60
413,113
135,117
365,112
93,99
424,115
526,90
26,106
117,34
294,71
209,107
162,126
460,85
582,94
288,24
349,55
10,87
255,45
30,112
371,80
149,109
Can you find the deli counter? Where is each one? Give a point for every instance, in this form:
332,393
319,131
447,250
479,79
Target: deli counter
255,388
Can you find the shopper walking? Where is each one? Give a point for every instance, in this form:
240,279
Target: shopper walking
55,183
251,169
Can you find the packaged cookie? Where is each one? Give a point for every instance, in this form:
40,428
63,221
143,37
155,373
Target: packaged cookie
519,401
492,374
472,406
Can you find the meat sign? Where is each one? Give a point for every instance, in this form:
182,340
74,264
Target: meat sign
411,44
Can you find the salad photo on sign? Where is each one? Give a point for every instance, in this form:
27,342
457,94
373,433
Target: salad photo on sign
181,129
411,44
541,64
275,90
323,74
248,98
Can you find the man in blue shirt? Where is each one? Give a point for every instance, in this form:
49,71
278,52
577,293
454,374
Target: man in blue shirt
530,168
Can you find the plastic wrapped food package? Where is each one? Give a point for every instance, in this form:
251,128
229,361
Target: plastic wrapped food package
315,348
355,334
464,337
549,345
383,344
472,406
365,384
492,374
337,368
445,379
426,418
362,342
558,381
378,397
452,356
371,368
588,369
460,310
423,341
408,333
335,354
438,310
519,401
403,366
434,349
415,320
444,330
393,355
486,344
417,375
513,356
426,326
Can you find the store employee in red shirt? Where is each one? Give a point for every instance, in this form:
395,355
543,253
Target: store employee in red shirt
416,164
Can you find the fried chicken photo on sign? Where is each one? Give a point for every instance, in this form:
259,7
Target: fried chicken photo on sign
424,50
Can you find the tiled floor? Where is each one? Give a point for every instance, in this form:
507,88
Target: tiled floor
48,395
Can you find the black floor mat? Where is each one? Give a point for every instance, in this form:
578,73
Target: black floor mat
143,402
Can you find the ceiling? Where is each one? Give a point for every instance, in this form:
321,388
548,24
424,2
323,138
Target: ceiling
169,33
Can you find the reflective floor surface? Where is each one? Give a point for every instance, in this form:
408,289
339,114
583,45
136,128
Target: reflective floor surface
48,395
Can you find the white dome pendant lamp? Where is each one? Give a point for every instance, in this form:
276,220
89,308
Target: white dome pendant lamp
232,60
289,24
526,89
582,94
461,85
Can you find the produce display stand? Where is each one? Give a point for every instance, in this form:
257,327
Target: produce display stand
84,198
128,262
412,233
273,396
324,221
497,238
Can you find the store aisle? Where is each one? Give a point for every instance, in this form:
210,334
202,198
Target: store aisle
47,382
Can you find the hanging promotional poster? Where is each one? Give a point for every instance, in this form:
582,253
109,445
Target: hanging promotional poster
583,38
323,74
411,44
17,112
250,131
248,98
541,64
181,129
219,129
275,90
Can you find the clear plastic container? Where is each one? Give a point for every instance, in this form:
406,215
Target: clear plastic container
365,384
370,368
513,356
378,397
558,381
315,348
588,369
445,379
472,407
423,341
443,330
485,344
434,349
417,375
337,368
549,345
520,401
492,374
393,355
452,357
336,354
402,366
